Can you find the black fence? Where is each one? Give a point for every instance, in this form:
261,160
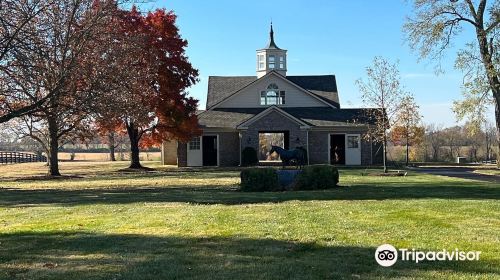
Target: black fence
17,157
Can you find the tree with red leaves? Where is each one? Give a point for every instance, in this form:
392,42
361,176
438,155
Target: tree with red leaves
149,73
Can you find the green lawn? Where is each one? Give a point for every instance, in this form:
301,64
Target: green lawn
171,224
488,171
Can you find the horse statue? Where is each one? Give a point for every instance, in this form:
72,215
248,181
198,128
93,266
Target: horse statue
297,155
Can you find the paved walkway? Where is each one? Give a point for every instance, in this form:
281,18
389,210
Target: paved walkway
459,172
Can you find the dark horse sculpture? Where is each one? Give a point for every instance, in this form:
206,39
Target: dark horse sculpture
297,155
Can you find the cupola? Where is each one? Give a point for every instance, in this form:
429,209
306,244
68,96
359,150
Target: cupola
271,58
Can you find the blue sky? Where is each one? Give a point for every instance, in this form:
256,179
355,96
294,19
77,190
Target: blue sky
322,37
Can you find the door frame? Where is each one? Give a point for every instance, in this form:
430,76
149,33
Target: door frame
218,147
330,146
345,146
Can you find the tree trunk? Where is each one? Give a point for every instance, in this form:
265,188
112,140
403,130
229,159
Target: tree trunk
133,134
407,147
497,119
407,154
384,157
111,146
53,147
486,51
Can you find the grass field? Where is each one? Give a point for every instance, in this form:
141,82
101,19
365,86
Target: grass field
488,171
175,224
105,156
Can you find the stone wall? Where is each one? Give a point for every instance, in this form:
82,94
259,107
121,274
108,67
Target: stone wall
229,146
181,154
318,147
377,153
366,150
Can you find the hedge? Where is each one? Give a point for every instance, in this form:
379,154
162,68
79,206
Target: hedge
316,177
259,180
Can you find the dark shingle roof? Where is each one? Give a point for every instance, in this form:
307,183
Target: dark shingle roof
323,86
316,83
314,116
229,118
324,116
222,87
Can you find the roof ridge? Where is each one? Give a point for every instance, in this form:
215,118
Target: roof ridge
321,75
232,76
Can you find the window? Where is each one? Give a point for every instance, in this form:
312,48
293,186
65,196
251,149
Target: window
353,142
195,143
282,62
260,60
272,61
272,96
282,97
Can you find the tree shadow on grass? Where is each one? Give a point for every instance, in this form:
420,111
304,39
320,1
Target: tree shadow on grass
84,255
216,194
459,172
106,176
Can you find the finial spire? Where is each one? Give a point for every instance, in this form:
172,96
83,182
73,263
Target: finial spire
271,44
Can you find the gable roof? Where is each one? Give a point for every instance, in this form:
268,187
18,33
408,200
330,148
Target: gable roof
323,87
221,87
227,118
267,111
313,116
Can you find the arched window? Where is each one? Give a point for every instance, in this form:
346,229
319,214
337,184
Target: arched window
272,96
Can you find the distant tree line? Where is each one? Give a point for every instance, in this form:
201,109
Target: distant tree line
438,144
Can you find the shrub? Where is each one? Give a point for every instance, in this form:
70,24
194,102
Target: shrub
316,177
259,180
249,157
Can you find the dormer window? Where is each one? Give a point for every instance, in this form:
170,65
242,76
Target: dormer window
272,96
272,61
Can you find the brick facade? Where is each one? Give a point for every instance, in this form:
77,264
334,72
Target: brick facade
273,122
181,154
318,149
229,148
318,146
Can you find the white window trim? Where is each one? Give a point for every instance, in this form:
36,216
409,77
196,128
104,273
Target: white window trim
280,96
357,142
193,142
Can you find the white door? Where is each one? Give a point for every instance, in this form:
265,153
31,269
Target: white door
194,152
352,149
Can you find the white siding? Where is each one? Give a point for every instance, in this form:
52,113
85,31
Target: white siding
250,96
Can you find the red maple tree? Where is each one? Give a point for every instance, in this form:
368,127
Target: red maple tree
149,74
